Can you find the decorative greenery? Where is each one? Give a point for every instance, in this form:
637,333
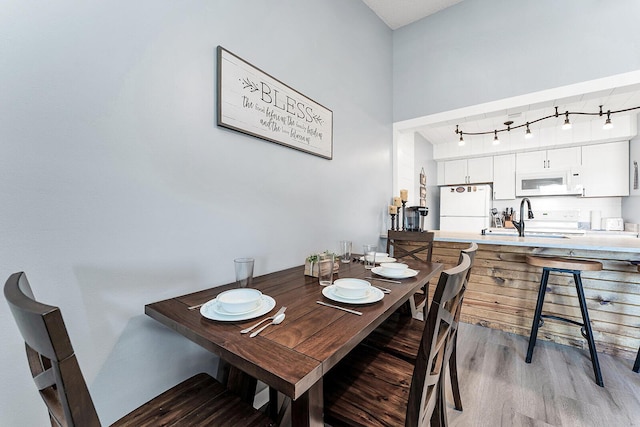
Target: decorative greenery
314,257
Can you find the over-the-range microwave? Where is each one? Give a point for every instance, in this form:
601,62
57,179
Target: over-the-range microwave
549,183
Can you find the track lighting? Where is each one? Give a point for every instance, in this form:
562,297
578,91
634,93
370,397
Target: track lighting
567,124
607,123
528,134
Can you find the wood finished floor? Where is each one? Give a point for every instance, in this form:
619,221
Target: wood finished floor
557,389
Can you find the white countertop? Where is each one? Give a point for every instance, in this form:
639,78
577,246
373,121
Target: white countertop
595,243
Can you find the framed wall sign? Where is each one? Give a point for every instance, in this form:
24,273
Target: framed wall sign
252,102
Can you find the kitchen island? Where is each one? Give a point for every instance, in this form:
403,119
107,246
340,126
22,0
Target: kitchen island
503,288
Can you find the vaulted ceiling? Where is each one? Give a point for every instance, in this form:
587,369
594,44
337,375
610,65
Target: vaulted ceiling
398,13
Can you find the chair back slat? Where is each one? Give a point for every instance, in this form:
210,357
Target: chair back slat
50,355
437,337
417,245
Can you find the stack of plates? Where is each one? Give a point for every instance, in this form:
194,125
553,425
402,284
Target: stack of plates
215,309
370,295
394,273
381,257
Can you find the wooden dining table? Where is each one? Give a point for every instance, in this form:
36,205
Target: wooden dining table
291,357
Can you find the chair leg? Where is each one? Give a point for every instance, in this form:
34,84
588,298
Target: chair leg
453,374
538,313
587,330
636,366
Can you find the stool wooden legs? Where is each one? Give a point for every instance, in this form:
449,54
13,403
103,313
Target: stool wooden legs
537,316
636,366
587,332
585,325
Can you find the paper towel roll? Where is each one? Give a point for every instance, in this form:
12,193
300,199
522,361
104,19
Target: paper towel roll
596,220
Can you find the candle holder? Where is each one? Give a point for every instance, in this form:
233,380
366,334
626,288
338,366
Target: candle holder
404,205
393,222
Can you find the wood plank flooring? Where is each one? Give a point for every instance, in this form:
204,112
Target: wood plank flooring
557,389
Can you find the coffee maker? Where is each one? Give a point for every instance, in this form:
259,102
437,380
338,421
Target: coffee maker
414,218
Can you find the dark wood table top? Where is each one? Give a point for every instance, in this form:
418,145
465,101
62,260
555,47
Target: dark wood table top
293,356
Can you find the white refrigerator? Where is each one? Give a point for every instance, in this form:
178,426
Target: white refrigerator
465,208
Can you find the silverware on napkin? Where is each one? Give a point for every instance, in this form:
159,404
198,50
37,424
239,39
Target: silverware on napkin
348,310
250,328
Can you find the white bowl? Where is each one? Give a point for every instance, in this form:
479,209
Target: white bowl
240,300
352,288
394,266
379,255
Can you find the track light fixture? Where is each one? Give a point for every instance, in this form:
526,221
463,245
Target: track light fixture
566,125
461,142
607,123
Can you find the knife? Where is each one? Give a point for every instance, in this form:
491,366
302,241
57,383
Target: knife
348,310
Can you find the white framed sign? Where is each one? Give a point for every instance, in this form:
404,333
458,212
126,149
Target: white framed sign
252,102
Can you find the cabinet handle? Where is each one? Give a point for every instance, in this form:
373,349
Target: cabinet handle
549,163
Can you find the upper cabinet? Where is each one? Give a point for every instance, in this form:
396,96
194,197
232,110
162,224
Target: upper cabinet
605,169
504,177
466,171
559,158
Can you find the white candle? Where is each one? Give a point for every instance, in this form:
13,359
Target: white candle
397,201
393,209
404,195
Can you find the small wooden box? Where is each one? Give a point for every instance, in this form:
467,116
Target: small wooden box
311,268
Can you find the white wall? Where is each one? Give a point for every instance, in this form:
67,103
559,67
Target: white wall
484,50
424,160
118,189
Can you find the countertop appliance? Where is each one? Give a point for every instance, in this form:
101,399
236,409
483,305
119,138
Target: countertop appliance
465,207
414,218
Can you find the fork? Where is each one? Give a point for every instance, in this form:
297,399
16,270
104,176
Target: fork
249,329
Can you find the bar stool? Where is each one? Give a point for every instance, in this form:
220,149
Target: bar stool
575,267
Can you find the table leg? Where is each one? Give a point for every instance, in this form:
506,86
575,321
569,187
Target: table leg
307,409
242,384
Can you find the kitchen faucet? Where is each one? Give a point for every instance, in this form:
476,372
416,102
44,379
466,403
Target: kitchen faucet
520,224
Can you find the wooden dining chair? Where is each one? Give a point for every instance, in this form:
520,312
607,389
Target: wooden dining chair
417,245
371,387
197,401
400,336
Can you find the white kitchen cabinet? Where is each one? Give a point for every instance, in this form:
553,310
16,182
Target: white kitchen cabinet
605,169
559,158
468,171
504,177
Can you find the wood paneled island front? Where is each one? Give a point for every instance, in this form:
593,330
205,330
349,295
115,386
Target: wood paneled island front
503,288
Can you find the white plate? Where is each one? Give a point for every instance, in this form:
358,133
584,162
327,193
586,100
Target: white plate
212,310
403,274
374,295
379,260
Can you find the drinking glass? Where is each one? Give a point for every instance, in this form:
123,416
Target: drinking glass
369,256
244,271
345,251
325,268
